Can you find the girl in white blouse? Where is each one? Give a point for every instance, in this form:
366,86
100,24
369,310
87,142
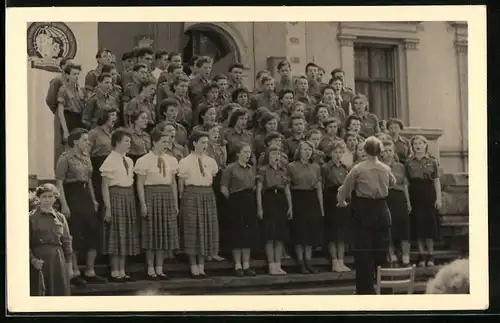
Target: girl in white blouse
121,234
157,191
200,236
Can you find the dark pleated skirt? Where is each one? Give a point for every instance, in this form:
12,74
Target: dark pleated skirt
54,278
97,179
200,228
221,203
84,225
400,225
337,219
424,216
122,234
242,220
159,230
307,223
275,224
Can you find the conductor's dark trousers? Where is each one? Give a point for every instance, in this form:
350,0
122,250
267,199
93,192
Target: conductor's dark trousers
371,240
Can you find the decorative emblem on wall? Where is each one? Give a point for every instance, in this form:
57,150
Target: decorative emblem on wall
48,43
144,41
294,40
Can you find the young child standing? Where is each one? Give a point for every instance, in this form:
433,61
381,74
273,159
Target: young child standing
122,236
50,246
307,201
238,186
157,191
425,197
274,207
336,218
399,205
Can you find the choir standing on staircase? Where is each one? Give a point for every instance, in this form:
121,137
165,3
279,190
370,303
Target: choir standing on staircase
178,163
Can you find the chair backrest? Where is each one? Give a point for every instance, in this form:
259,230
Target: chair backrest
395,278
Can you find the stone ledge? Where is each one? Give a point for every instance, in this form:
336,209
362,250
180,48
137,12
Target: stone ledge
455,203
454,179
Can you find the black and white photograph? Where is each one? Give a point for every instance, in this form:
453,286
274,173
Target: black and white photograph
198,156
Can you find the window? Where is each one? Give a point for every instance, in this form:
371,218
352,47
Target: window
374,76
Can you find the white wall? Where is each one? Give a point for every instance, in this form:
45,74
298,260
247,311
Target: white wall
41,120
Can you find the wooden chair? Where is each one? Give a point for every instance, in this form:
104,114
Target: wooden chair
395,278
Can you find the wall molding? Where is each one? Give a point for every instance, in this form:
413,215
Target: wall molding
452,153
391,30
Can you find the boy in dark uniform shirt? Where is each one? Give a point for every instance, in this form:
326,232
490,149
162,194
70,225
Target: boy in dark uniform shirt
103,57
131,90
196,85
235,77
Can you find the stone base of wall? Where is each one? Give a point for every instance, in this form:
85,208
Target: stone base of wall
455,194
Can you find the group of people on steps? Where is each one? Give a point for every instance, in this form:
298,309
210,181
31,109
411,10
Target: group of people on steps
165,158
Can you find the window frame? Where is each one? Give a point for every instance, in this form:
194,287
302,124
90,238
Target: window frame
394,111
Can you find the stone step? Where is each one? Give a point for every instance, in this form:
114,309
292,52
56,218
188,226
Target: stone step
227,265
222,280
327,282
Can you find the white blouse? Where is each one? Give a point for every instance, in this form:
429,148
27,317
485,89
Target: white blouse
348,158
114,169
147,166
189,170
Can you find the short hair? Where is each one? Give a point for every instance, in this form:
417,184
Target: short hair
240,112
258,114
137,67
160,54
360,97
127,55
162,125
136,114
203,60
209,87
283,63
235,65
118,135
195,137
180,78
156,135
387,143
271,136
296,116
165,104
204,109
350,134
106,68
47,188
70,67
102,76
335,78
266,79
143,51
227,110
337,70
336,144
350,119
316,110
301,77
284,92
103,115
240,145
296,155
237,92
310,64
452,278
261,72
172,67
145,84
372,146
313,131
219,77
173,54
101,51
63,61
418,137
395,121
330,120
266,117
327,87
75,135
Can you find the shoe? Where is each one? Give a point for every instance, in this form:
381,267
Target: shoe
239,273
162,276
303,268
430,261
112,279
95,279
78,281
310,268
280,270
195,275
343,267
420,261
272,269
249,272
336,266
152,277
129,279
217,258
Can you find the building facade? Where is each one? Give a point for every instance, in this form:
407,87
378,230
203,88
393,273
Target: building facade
416,71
